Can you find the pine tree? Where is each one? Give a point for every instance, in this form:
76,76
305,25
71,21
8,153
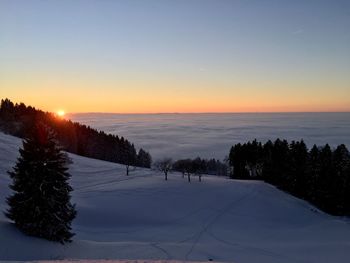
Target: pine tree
40,205
278,165
298,167
128,156
313,173
267,166
323,192
144,159
341,163
238,160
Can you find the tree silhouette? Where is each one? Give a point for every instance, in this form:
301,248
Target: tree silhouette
144,159
164,165
321,175
40,205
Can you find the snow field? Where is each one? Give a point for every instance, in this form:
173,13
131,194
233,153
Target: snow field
142,216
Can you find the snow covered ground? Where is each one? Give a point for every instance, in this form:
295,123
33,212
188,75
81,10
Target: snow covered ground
142,216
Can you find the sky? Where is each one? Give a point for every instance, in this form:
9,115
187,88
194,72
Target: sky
151,56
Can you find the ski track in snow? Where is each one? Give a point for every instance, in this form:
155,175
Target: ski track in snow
205,227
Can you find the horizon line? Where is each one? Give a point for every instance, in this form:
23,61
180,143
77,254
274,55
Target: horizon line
209,112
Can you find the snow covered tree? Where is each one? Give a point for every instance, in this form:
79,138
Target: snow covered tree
164,166
40,205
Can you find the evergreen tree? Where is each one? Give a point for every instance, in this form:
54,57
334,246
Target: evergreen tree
341,163
298,167
313,173
254,158
238,161
144,159
267,167
347,190
40,205
7,109
279,163
128,156
323,193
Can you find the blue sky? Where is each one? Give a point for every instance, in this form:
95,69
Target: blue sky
294,53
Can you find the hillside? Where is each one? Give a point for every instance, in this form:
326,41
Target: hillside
144,217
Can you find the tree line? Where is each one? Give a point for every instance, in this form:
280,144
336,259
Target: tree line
320,175
19,120
197,167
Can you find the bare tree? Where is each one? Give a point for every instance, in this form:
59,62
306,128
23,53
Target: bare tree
198,167
164,165
185,167
189,176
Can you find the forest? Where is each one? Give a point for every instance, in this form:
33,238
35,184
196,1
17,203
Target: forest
320,175
19,119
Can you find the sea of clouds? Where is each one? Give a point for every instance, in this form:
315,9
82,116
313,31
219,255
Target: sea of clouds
212,135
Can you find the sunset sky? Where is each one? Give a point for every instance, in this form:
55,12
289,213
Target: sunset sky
176,56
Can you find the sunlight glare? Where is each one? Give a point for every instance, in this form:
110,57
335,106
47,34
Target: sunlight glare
60,113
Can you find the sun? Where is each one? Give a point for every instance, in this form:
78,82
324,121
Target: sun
61,113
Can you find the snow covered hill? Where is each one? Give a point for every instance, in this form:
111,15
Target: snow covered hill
142,216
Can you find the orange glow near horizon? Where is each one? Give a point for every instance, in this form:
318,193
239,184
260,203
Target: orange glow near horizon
142,92
150,95
173,104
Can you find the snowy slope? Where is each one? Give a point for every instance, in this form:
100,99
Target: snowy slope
144,217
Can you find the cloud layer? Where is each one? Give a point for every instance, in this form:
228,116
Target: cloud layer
212,135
